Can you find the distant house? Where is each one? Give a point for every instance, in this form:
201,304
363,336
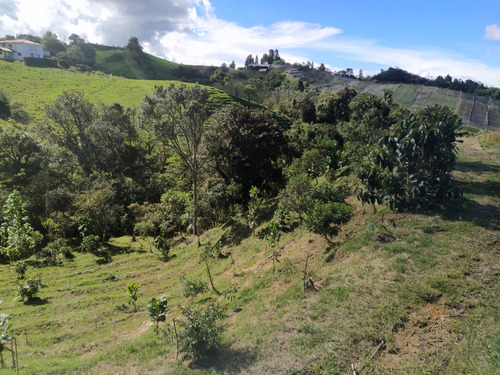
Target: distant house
6,54
262,68
18,49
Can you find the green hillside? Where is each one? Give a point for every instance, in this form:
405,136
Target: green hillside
307,279
119,63
476,111
37,87
397,293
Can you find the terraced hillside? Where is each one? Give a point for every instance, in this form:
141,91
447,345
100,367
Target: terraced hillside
476,111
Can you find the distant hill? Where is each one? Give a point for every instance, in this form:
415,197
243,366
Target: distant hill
118,62
476,111
35,88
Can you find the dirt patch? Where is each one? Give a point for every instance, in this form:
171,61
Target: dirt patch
421,339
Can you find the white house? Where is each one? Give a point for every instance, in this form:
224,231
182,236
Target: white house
18,49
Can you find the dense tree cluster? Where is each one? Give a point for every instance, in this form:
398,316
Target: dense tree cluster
179,165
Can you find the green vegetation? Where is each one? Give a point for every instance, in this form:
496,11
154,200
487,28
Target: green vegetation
184,189
34,88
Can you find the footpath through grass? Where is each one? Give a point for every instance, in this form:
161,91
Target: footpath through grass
399,293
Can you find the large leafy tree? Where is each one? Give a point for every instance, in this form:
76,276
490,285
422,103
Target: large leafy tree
333,108
101,138
412,166
67,123
246,146
51,43
179,116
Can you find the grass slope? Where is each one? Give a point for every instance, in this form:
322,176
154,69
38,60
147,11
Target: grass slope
37,87
118,62
422,288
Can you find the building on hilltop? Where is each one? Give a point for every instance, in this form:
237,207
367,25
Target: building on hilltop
18,49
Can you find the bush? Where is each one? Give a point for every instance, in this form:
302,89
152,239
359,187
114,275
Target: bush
50,253
29,289
412,167
325,218
191,287
90,244
157,311
202,332
66,252
20,268
163,246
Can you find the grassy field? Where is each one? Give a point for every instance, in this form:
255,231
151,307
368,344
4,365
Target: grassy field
37,87
118,63
406,293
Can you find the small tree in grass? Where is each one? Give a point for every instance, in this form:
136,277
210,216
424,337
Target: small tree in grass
230,294
203,330
28,290
132,292
254,207
18,240
163,245
157,311
191,287
209,255
273,238
20,268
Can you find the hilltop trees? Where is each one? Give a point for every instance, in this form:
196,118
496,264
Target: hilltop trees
51,43
78,52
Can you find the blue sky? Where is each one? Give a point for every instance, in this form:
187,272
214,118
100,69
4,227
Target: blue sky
430,38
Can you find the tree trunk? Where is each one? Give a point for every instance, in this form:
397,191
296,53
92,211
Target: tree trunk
210,278
195,203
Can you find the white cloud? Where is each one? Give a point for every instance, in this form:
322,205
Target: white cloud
188,31
492,32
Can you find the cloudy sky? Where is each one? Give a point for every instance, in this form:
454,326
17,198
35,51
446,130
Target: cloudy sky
430,38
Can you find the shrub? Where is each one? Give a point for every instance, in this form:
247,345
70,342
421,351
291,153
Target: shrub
321,207
191,287
50,253
90,244
66,252
325,218
412,167
29,289
157,311
132,290
202,332
163,246
20,268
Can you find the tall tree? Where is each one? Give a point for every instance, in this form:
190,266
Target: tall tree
67,123
246,146
52,44
179,115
